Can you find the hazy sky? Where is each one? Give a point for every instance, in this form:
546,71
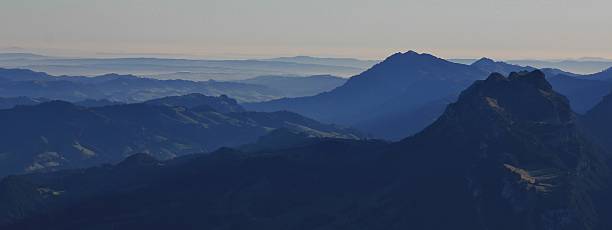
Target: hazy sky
342,28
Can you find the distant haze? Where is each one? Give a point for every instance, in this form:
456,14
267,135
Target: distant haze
518,29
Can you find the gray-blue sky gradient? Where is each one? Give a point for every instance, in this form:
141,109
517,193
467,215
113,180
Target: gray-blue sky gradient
351,28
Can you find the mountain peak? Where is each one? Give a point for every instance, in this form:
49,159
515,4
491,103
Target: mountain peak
536,78
523,96
411,59
484,60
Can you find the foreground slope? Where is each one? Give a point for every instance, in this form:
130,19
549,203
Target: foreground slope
506,155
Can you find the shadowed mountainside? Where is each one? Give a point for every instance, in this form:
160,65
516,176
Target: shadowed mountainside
506,155
56,134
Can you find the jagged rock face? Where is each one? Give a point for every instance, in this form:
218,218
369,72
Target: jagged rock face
514,146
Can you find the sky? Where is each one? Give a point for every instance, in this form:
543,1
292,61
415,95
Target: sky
367,29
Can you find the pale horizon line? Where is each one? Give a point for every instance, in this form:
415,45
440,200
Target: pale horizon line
76,54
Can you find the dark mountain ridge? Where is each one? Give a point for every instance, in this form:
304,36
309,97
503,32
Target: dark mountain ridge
506,155
583,91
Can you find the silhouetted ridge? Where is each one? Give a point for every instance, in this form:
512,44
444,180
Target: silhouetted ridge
411,57
510,149
139,160
222,103
525,95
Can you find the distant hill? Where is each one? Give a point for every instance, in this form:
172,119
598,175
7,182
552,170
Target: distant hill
10,102
598,121
22,56
505,68
605,75
120,88
348,62
507,155
222,103
168,68
55,135
492,66
296,86
583,92
584,66
401,84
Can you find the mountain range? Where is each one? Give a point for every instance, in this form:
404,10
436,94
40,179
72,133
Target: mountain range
120,88
296,86
55,135
508,154
347,62
408,91
186,69
129,88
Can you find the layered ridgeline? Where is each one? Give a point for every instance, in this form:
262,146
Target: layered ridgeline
296,86
186,69
121,88
383,99
56,134
506,155
10,102
408,91
583,91
605,75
